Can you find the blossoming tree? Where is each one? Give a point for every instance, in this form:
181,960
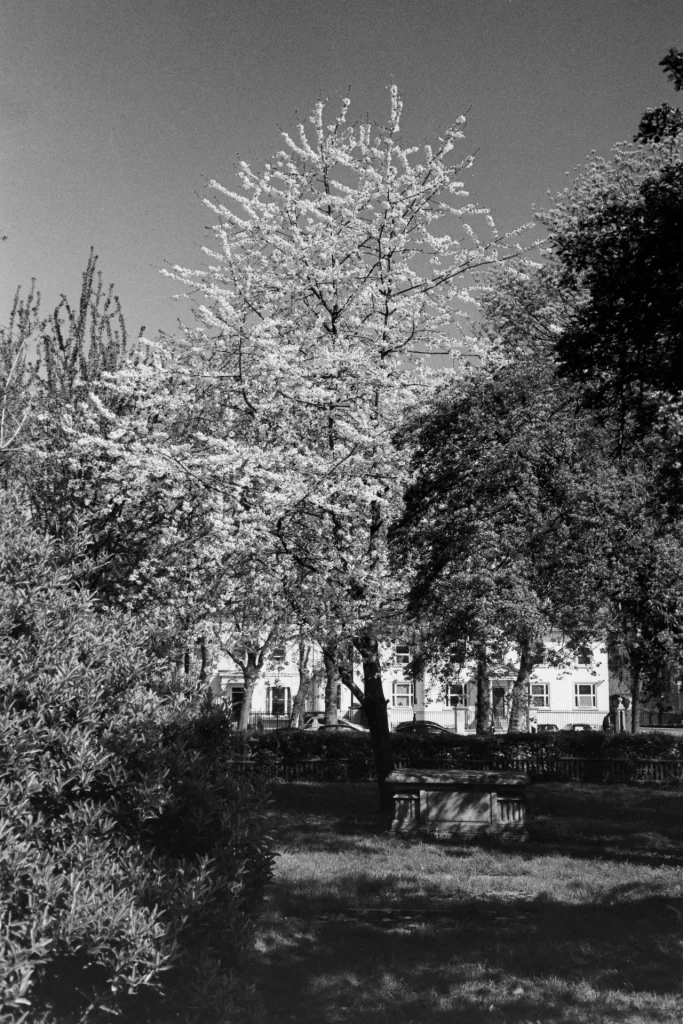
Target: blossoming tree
339,268
338,287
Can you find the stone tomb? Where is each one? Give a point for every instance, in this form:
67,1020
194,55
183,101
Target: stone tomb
463,804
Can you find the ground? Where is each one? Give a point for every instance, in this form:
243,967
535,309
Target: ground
583,924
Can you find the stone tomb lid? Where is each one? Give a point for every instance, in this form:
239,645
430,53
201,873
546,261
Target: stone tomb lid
455,777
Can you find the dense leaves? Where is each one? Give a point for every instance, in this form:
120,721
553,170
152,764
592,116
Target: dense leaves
127,849
544,481
664,121
356,750
625,342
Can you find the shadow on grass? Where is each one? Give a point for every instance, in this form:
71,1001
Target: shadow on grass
640,825
505,961
362,932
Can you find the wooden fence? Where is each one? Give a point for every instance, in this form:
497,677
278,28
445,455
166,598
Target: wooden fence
540,768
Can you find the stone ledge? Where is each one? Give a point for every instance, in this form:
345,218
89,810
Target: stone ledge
456,777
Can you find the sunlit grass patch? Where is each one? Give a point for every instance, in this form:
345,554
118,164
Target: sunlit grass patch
362,926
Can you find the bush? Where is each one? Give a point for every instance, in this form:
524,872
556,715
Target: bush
504,748
126,847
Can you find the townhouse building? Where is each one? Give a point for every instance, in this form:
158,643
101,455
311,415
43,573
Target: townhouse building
567,688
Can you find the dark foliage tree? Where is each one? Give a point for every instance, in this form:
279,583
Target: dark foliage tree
486,534
624,343
665,121
520,518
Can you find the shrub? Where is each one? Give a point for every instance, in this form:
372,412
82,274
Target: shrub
126,847
503,748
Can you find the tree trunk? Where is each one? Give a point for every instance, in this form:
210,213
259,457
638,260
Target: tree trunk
636,691
484,716
251,671
375,708
305,684
344,656
520,691
331,677
418,670
204,658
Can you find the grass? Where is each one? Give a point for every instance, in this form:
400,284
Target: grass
582,924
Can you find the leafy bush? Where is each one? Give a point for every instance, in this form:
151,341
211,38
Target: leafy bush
296,744
126,847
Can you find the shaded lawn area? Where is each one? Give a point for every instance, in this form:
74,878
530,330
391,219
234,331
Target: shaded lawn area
582,923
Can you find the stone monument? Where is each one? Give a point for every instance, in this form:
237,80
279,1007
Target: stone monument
454,803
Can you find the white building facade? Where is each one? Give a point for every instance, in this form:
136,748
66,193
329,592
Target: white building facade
567,689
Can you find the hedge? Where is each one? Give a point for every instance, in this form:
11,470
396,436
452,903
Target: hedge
293,744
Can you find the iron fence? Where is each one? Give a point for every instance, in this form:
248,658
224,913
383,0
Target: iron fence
540,767
661,719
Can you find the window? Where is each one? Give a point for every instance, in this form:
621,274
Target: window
278,655
456,694
402,654
584,656
540,696
584,695
279,700
403,694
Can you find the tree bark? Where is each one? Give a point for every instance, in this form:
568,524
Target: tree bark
344,656
305,684
331,677
418,670
251,669
375,707
203,660
484,715
636,692
520,691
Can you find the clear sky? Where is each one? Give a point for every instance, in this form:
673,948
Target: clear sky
114,115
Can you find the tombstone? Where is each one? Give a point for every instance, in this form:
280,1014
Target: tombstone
459,804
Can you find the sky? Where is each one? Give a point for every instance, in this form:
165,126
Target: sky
115,115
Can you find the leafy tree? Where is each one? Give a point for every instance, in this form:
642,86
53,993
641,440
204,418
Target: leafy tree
664,121
79,404
519,518
251,617
672,62
615,239
623,255
338,267
484,533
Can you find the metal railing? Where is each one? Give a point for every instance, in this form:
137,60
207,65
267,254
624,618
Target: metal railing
540,767
661,719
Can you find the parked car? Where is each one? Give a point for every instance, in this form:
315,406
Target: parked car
578,727
343,725
547,727
422,728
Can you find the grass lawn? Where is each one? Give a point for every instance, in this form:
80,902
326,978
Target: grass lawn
582,924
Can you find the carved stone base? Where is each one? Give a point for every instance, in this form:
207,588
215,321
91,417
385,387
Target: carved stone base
460,804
